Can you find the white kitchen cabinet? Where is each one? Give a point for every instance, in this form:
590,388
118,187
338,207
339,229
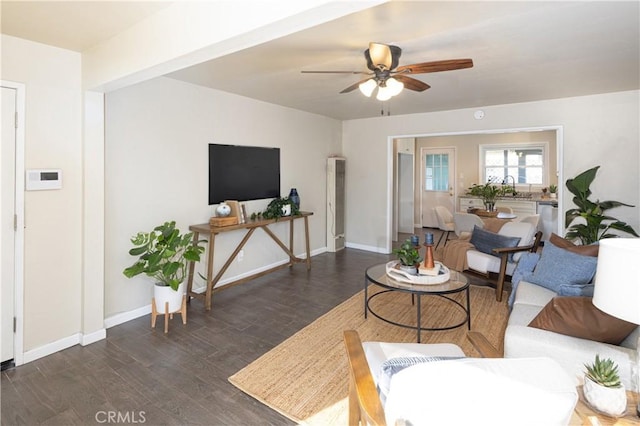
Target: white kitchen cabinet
521,208
466,203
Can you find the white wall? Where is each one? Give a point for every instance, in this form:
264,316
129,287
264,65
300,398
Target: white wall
53,219
598,130
156,169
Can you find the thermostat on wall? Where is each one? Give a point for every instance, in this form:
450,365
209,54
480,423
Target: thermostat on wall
42,179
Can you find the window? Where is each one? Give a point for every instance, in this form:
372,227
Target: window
526,163
436,172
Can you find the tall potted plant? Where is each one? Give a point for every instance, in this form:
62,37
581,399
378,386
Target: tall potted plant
595,225
164,254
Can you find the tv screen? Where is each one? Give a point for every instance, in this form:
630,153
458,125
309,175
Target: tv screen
243,173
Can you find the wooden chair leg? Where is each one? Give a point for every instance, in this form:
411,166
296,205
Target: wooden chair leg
183,310
166,317
502,276
154,312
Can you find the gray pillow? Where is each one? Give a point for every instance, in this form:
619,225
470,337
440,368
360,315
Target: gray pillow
486,241
565,272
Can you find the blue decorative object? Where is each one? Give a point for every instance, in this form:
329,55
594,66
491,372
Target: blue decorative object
566,273
415,240
294,197
486,241
223,210
428,238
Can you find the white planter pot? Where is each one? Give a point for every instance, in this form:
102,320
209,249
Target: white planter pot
610,401
163,294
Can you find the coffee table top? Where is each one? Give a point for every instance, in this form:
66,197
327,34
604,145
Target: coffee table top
378,275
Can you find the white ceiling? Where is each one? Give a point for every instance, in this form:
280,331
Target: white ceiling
522,51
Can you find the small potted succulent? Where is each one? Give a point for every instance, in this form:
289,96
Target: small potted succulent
409,257
603,389
553,191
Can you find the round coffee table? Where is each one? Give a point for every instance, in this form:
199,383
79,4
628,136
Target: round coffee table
457,283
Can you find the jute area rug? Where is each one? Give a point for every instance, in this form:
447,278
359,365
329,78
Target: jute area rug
305,378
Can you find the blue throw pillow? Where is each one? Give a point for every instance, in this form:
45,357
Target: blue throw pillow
486,241
565,272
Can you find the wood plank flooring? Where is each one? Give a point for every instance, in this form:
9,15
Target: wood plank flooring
139,375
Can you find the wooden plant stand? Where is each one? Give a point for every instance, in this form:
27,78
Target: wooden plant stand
168,315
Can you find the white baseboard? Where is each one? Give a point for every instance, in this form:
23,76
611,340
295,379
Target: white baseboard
64,343
127,316
367,248
87,339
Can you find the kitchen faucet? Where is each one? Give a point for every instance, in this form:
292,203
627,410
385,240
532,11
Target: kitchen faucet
505,181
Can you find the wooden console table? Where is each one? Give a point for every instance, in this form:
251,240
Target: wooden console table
211,232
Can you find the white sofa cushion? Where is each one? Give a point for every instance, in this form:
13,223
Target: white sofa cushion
475,391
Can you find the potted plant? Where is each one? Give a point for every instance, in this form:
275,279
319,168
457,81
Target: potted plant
164,254
603,389
409,257
595,225
553,191
277,208
488,192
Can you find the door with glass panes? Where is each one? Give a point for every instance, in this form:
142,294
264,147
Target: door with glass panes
437,183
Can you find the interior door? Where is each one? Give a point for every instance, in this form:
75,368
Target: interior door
7,214
437,182
405,193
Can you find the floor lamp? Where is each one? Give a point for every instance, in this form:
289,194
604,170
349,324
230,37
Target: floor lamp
617,286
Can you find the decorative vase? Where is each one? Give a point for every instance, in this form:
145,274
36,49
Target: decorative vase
294,197
223,210
610,401
164,293
553,195
411,270
489,205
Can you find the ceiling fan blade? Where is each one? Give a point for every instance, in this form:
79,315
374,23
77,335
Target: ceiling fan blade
334,72
435,66
412,83
354,86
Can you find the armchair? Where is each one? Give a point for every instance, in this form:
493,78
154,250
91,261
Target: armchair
494,390
490,259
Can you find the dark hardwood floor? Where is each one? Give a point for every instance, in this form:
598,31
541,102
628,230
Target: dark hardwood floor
139,375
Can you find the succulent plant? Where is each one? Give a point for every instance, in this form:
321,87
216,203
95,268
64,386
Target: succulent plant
604,372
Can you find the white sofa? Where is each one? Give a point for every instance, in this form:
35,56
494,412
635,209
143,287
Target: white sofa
570,352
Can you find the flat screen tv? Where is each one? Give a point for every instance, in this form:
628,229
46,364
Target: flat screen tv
243,173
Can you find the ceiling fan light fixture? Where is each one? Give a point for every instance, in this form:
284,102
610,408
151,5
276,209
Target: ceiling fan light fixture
368,87
394,86
384,94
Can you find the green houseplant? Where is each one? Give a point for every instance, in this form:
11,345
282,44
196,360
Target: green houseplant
488,192
408,255
277,208
595,225
602,387
164,254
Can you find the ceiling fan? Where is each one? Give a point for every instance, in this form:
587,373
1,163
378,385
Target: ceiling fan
388,77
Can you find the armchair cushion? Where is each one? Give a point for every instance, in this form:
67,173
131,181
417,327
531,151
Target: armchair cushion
565,272
485,241
578,317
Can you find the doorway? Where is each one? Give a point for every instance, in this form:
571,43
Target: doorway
11,222
437,183
463,180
